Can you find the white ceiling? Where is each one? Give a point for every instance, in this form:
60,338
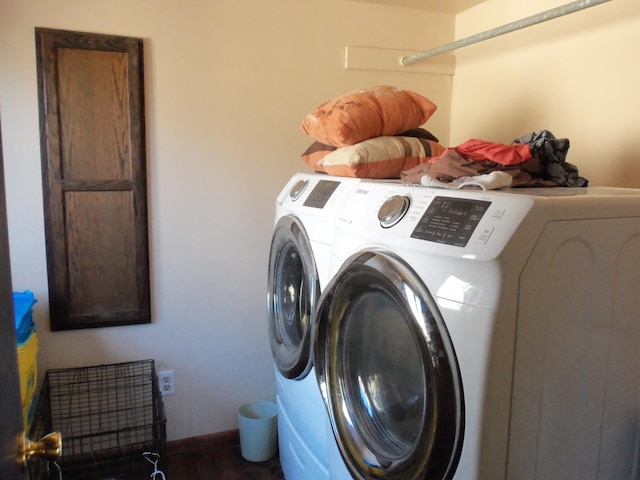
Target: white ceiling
443,6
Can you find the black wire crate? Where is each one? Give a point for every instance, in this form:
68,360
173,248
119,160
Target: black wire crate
112,422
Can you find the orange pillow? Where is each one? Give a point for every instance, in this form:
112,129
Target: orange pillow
356,116
380,157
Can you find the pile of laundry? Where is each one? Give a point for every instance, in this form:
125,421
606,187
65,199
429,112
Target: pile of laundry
377,133
534,160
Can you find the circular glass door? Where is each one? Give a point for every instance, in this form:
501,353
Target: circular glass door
388,372
292,294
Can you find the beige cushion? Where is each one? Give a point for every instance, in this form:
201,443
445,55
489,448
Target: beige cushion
380,157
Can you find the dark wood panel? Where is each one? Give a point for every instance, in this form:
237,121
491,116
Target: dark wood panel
94,114
96,185
11,426
102,269
94,178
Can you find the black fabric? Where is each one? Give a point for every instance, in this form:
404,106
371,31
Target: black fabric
552,153
419,133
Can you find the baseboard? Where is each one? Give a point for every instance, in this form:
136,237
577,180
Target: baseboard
211,440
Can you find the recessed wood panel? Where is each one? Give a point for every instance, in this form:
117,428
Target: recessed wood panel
102,269
94,176
91,82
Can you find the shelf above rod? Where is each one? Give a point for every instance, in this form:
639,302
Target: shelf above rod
508,28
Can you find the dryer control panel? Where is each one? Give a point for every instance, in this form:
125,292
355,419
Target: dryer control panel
321,193
315,199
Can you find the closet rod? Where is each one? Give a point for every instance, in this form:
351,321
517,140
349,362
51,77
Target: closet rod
509,27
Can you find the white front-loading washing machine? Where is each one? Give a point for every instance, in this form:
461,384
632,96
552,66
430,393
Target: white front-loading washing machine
299,263
483,335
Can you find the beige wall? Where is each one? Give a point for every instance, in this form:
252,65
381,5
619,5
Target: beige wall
225,92
577,76
227,84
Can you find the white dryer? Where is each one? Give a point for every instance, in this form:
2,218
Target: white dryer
298,270
483,335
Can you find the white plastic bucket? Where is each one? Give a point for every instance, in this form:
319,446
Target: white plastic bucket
258,425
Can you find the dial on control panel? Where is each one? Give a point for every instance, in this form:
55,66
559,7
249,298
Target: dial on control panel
298,189
392,210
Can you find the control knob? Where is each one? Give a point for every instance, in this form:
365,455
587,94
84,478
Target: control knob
298,189
392,210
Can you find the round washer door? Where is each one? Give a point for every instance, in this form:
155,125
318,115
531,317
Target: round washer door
292,295
388,372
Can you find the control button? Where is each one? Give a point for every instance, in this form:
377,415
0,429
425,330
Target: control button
484,235
497,214
392,210
298,189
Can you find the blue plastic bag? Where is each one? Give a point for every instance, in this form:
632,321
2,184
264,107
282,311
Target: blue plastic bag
23,303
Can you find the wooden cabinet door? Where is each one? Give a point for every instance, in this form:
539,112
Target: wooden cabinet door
11,425
94,178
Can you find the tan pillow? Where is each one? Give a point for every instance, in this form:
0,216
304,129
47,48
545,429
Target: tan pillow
356,116
380,157
317,151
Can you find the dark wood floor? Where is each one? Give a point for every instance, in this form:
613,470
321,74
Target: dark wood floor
216,457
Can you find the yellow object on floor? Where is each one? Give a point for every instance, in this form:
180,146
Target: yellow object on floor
28,370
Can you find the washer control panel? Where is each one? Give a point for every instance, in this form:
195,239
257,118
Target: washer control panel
469,224
450,220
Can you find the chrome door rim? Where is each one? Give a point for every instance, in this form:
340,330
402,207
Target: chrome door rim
436,452
291,301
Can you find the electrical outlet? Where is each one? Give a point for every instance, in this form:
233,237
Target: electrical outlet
167,382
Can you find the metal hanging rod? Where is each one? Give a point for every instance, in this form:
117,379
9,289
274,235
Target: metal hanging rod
509,27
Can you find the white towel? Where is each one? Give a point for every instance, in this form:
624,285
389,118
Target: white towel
487,181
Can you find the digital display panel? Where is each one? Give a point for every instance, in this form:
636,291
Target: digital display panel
451,221
321,194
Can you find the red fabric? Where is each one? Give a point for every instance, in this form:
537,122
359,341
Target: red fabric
511,154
